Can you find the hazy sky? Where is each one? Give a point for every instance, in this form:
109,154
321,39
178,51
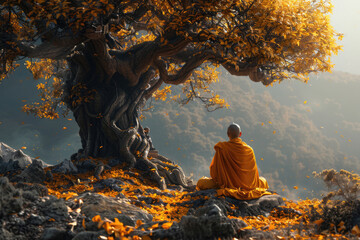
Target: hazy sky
346,20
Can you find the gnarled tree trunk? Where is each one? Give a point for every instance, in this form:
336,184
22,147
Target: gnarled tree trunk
106,109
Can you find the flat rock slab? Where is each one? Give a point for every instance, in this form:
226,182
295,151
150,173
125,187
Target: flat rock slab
110,207
260,206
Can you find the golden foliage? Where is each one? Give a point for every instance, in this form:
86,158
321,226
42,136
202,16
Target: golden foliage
337,211
344,184
161,94
284,38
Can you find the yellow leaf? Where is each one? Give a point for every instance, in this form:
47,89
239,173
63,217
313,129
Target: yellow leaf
96,218
23,147
355,230
341,224
247,227
138,223
319,221
166,225
271,227
296,187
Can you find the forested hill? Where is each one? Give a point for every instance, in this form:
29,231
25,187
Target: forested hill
313,126
294,128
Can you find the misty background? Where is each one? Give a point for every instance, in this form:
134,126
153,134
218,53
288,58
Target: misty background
294,128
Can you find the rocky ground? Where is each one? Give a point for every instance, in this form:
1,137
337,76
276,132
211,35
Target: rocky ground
63,202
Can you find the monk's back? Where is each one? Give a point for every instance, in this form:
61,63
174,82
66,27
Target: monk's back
234,165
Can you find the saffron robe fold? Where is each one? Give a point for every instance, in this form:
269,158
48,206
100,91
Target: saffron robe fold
234,172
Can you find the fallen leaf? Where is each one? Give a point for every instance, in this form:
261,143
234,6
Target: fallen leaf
319,221
64,128
355,230
296,187
138,223
247,227
96,218
341,224
271,227
23,147
166,225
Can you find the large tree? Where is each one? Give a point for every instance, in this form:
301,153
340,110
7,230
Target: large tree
104,59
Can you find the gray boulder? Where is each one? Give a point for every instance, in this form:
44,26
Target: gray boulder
65,166
11,200
34,173
88,235
11,159
54,234
53,207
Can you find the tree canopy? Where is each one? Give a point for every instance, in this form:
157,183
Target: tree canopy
156,42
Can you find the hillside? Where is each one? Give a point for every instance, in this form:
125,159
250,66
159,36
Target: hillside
294,128
321,133
70,201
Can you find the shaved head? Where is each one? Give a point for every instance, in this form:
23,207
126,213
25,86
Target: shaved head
233,131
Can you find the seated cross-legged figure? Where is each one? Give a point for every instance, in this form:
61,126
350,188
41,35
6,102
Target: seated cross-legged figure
233,170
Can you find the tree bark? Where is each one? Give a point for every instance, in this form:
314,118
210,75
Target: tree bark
106,108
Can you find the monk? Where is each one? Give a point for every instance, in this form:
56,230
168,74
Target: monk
233,170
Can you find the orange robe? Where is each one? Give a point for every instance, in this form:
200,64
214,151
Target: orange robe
234,172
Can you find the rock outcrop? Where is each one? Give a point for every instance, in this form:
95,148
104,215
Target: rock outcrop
11,159
27,211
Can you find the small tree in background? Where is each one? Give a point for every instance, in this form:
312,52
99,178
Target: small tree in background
340,208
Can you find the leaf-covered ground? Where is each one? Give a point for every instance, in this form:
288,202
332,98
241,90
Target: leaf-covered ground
290,221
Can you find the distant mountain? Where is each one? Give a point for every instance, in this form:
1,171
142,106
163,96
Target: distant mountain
323,132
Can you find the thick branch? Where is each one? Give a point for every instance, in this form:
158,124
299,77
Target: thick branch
58,48
184,73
